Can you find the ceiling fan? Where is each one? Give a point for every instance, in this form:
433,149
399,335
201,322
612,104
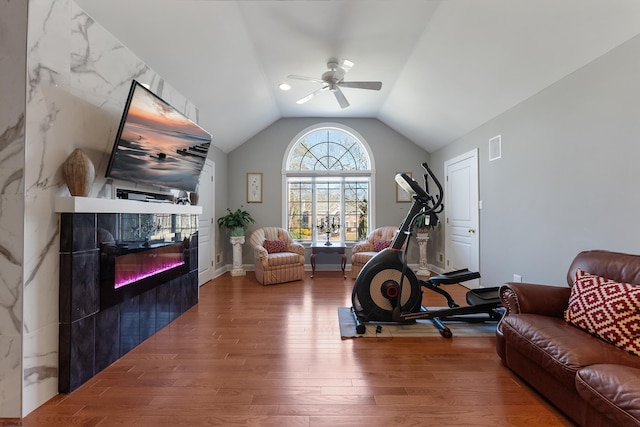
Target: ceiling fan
333,80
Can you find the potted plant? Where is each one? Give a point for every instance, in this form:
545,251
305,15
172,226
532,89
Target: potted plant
236,221
425,221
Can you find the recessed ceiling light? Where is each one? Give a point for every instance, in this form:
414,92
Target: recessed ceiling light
284,86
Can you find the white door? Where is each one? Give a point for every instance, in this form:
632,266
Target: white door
462,248
206,229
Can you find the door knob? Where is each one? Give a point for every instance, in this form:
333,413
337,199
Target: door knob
472,230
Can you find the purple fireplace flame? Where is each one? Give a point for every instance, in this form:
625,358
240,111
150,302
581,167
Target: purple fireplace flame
124,278
145,262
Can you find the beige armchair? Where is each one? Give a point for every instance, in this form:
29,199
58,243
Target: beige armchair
278,258
363,252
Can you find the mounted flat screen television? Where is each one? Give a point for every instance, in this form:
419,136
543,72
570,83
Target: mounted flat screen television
157,145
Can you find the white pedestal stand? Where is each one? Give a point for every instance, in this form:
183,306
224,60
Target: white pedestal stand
423,269
237,242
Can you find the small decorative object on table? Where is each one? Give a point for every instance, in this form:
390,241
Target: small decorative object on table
329,225
193,198
78,172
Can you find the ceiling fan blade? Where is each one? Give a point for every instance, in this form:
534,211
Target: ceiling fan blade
309,79
342,100
312,94
362,85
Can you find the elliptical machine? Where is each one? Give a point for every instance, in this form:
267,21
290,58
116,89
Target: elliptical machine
388,290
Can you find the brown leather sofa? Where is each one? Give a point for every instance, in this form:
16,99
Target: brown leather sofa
593,382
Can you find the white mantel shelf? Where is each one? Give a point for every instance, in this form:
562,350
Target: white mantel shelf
94,205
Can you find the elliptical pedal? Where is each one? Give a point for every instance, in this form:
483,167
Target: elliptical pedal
483,296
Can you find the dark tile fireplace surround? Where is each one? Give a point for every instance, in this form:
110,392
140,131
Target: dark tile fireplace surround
92,336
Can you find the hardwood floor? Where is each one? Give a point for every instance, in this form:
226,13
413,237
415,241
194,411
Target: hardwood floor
249,355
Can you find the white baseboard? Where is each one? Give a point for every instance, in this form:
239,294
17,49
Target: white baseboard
322,267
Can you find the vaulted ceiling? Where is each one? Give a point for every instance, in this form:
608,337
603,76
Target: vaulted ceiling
446,66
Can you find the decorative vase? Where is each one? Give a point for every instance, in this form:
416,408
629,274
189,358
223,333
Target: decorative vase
236,231
78,172
193,198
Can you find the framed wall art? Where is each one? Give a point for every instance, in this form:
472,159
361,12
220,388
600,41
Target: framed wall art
254,187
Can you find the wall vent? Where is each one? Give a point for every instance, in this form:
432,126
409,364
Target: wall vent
495,148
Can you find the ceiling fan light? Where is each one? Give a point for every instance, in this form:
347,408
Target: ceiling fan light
346,63
284,86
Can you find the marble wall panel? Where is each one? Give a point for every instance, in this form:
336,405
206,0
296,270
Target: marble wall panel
40,366
13,22
10,376
13,26
10,266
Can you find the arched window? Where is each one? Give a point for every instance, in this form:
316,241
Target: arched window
328,173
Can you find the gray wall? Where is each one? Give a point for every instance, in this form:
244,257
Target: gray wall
567,180
265,152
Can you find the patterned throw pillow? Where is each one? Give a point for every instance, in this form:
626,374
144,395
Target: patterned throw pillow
379,245
274,246
607,309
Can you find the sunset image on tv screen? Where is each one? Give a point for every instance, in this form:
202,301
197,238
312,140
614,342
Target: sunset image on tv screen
157,145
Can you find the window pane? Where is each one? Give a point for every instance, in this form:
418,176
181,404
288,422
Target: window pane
300,210
356,209
328,149
328,212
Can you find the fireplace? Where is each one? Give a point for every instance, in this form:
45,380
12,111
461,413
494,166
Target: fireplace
98,323
128,269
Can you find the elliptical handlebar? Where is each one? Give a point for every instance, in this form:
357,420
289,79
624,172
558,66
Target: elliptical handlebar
410,185
423,202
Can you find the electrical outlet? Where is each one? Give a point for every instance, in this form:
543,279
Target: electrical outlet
218,258
517,278
440,257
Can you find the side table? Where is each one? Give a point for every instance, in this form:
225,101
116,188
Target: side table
337,248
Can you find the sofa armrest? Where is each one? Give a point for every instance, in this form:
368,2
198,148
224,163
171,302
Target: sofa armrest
260,254
296,247
362,247
612,390
535,299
